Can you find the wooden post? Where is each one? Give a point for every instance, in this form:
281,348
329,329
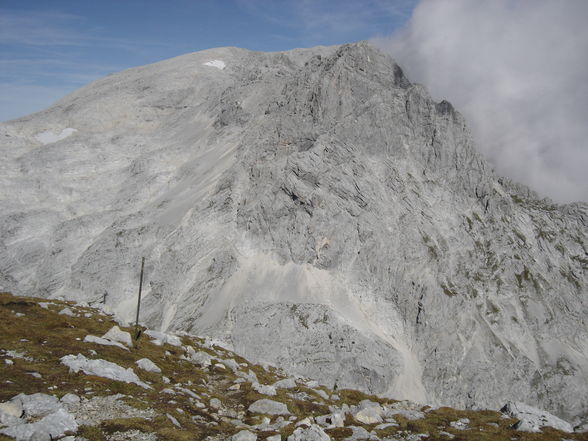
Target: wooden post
139,299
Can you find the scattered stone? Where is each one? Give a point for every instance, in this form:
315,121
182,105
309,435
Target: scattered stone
103,341
384,426
304,422
215,403
10,412
460,424
116,334
322,394
244,435
532,419
102,368
201,358
49,427
148,365
162,338
269,407
447,434
311,433
70,399
8,362
37,405
332,420
274,438
91,412
230,363
35,374
234,387
368,412
264,389
67,311
286,383
173,420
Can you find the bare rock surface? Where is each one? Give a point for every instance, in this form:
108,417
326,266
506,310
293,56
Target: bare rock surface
315,210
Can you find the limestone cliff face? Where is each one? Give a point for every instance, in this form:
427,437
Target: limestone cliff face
315,209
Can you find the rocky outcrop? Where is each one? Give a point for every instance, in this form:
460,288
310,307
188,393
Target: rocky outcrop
316,210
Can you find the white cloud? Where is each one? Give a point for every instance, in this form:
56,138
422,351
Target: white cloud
518,70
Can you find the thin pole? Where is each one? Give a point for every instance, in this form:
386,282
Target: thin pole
140,289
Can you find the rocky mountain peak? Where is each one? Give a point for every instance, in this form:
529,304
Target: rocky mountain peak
312,208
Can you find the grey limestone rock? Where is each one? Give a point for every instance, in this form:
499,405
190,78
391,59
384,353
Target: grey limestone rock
244,435
315,210
309,433
269,407
532,419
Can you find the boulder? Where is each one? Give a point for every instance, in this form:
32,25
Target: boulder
368,412
244,435
148,365
117,334
286,383
310,433
269,407
532,419
264,389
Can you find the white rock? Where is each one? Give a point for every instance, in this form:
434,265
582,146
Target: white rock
274,438
102,368
103,341
10,413
215,403
460,424
116,334
322,393
244,435
269,407
264,389
201,358
312,433
307,421
67,311
37,405
368,412
230,363
70,399
52,425
532,419
164,338
286,383
174,421
335,419
148,365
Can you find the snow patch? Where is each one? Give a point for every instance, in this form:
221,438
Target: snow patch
48,136
219,64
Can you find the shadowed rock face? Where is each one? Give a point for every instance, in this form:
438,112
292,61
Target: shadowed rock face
312,207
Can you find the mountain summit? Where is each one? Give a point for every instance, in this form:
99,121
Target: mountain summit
313,208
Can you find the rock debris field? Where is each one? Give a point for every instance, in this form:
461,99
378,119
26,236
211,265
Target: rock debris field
70,372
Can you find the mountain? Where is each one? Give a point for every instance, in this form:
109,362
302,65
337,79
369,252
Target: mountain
315,210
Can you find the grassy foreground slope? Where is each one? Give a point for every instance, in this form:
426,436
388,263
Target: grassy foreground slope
192,398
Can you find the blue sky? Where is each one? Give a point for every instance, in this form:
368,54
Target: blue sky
49,48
